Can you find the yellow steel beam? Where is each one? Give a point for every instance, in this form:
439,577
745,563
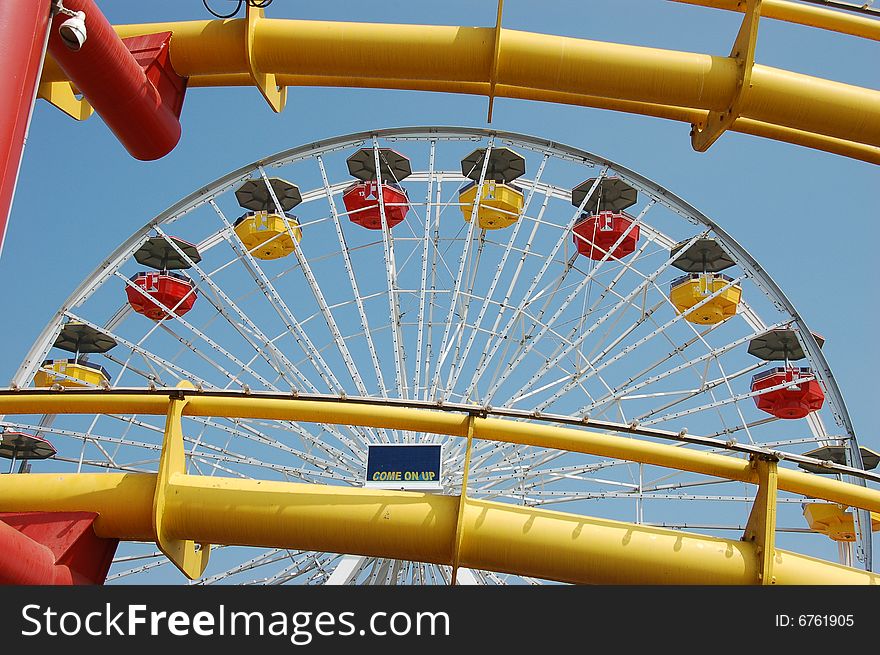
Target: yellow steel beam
412,526
439,422
696,116
553,68
794,12
761,526
682,114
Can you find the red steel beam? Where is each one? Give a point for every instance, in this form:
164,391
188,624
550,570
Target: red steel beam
53,548
107,74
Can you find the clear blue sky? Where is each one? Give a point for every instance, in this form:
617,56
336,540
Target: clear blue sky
810,218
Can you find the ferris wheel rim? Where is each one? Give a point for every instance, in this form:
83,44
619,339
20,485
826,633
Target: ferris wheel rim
670,199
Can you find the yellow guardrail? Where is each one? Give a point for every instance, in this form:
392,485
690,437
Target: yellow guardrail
178,510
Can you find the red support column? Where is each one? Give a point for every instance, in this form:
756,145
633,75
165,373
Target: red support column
24,26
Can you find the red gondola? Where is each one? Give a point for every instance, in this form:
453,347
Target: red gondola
361,201
794,401
173,290
596,234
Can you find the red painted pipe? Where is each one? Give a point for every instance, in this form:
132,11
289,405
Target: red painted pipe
23,28
24,561
109,77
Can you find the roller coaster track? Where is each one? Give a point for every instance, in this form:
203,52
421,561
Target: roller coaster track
178,510
712,93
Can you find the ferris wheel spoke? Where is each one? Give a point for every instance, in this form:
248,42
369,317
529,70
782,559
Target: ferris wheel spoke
312,355
263,559
423,280
110,460
309,440
301,562
435,255
710,390
497,337
378,571
344,251
527,297
495,578
244,326
655,485
726,432
523,346
191,346
293,326
178,372
466,297
345,467
391,281
628,387
575,379
723,380
139,569
548,293
534,464
570,344
727,401
338,461
560,497
151,375
144,466
455,372
615,395
536,484
624,302
309,563
358,299
306,268
462,263
817,427
683,395
132,558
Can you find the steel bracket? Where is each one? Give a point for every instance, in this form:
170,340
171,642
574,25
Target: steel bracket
707,131
761,526
172,463
275,95
462,502
496,51
61,95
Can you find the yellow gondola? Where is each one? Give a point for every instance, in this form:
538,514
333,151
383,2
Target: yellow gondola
268,235
71,373
500,204
690,290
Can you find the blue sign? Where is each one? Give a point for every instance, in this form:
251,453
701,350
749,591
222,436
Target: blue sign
403,465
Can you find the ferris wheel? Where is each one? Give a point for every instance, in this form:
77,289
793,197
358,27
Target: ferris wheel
450,270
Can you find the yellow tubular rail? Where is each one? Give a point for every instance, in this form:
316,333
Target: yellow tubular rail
438,422
684,86
415,526
411,526
801,14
